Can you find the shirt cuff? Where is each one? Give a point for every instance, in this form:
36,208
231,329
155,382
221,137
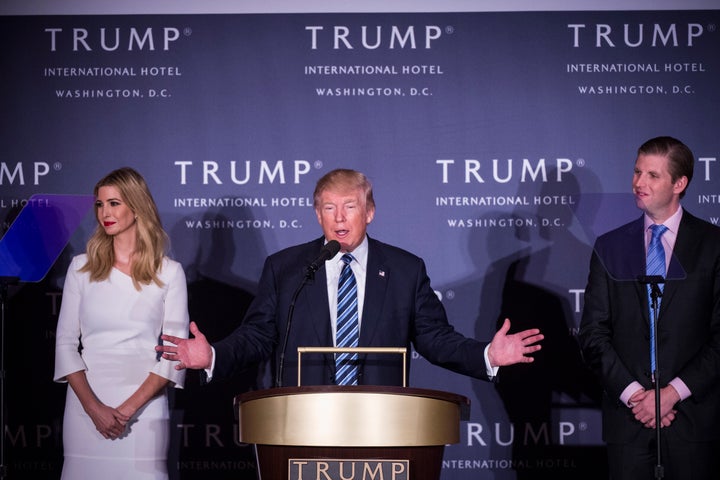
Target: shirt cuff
209,371
629,392
681,388
489,370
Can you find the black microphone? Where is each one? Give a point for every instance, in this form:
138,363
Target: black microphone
648,279
329,250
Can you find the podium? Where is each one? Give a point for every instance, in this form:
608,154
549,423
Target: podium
350,432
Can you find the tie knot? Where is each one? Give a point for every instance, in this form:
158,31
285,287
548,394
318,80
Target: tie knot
658,230
347,258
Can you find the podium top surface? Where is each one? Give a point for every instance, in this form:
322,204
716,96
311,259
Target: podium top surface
462,402
350,416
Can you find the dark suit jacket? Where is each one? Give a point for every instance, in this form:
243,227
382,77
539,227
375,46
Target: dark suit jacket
400,309
615,334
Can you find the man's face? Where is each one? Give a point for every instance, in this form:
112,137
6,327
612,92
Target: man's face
344,216
655,192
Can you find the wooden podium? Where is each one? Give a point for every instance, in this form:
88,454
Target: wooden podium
350,432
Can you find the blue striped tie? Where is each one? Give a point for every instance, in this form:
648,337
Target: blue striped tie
655,265
348,329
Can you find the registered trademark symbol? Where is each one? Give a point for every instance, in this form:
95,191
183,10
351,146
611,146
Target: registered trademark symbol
580,162
318,164
57,166
449,30
187,31
450,294
583,426
712,27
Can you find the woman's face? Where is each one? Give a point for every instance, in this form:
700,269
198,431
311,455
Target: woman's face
113,213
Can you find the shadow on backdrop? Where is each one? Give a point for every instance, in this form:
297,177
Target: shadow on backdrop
205,444
549,401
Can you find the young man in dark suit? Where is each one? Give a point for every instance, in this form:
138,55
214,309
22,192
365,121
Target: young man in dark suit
395,307
616,330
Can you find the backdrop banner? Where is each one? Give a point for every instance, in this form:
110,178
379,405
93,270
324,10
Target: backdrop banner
499,144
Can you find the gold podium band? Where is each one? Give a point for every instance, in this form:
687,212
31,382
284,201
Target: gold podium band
349,418
395,350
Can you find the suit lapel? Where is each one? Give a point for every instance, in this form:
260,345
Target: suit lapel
685,245
313,301
316,300
376,282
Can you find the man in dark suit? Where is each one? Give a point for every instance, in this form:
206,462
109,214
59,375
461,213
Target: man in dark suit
615,331
396,307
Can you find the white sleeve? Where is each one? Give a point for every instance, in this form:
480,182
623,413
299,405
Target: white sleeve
176,320
67,337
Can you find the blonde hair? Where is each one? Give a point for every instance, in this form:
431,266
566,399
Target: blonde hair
151,241
344,180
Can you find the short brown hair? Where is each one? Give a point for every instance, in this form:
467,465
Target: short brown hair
681,158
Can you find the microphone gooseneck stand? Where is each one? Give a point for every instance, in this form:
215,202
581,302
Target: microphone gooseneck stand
4,283
291,309
656,293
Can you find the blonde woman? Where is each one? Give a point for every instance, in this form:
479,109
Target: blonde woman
118,298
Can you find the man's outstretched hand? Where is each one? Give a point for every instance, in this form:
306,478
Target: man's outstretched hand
194,353
510,349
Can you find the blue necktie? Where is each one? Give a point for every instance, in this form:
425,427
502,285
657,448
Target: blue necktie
655,265
348,330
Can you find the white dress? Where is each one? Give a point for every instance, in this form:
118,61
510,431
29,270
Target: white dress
118,327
